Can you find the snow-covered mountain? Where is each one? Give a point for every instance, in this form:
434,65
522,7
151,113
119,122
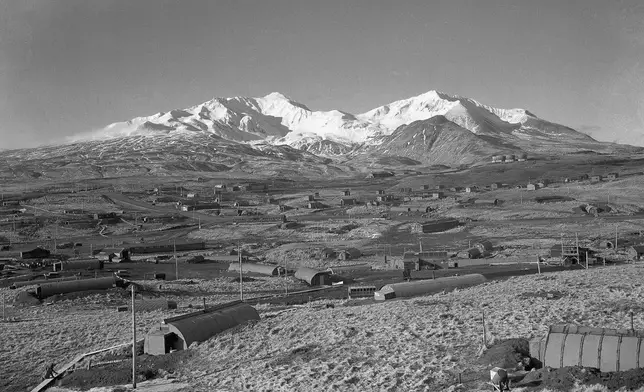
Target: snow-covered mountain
278,120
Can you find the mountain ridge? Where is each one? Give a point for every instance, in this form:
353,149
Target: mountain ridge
277,119
224,134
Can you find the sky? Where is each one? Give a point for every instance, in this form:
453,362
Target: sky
73,66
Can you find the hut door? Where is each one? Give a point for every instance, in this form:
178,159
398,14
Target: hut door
172,342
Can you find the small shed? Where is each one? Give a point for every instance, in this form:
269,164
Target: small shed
595,178
380,192
471,189
314,205
348,202
498,158
241,203
349,253
612,176
636,252
191,195
313,277
114,255
531,187
346,192
456,189
178,333
583,177
438,195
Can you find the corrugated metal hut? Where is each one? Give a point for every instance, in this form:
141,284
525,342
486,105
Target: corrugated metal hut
349,253
313,277
608,350
36,253
487,202
48,289
425,287
636,252
328,253
484,246
438,226
78,264
474,253
16,285
343,269
263,269
178,333
610,244
166,247
347,202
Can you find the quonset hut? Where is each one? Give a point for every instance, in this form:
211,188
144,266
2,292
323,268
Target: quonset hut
178,333
608,350
430,286
263,269
313,277
48,289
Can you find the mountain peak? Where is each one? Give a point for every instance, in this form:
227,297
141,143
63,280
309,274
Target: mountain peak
277,95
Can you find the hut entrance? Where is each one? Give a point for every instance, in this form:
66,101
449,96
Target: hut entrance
172,342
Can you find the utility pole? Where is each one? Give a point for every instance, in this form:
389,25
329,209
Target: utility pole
241,274
615,247
176,263
133,338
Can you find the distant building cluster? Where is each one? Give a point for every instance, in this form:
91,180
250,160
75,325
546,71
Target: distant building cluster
509,158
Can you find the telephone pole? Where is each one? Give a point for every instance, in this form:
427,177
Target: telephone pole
133,339
241,274
176,263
